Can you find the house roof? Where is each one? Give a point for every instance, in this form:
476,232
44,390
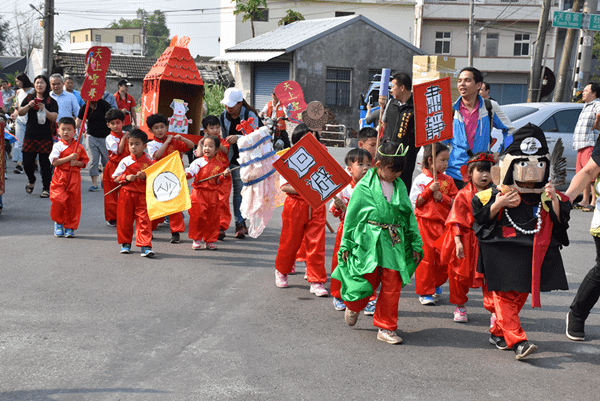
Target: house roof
176,64
133,67
6,61
290,37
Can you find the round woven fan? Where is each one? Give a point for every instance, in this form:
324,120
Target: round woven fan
315,116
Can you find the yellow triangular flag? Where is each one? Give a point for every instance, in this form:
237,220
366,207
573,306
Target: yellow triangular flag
166,187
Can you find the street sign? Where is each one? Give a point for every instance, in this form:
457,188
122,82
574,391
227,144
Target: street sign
594,22
563,19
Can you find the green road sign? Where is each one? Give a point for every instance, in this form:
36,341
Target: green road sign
594,22
563,19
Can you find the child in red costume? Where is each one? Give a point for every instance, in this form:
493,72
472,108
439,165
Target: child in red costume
211,126
68,158
117,146
162,146
301,222
204,214
132,199
432,201
358,161
459,243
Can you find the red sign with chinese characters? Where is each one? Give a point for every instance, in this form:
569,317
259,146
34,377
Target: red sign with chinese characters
433,111
312,171
291,96
97,60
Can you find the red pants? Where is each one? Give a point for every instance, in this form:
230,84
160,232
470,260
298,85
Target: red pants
132,207
176,223
224,193
204,216
430,273
301,255
301,222
508,325
108,183
386,312
488,299
335,285
66,199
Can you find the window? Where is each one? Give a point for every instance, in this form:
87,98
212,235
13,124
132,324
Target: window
98,38
476,42
73,39
86,38
337,87
262,15
491,45
442,42
562,121
343,13
119,39
521,44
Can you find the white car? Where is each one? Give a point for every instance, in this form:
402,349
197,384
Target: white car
557,120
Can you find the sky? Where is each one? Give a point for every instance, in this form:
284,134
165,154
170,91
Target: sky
198,19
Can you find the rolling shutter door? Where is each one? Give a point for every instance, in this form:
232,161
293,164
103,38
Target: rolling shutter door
266,78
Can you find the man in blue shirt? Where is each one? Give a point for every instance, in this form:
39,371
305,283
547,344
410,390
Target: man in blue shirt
70,87
67,102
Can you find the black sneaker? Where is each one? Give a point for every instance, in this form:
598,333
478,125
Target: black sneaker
222,235
175,238
498,342
575,328
18,169
524,348
111,223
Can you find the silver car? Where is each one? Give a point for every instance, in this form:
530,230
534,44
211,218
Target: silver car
557,120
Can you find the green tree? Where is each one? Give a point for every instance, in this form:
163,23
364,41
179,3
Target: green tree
251,10
291,16
213,94
155,29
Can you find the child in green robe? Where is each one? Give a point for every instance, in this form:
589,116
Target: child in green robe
380,244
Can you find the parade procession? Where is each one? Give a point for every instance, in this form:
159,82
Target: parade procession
247,199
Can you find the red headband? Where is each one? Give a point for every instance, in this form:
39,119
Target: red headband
483,157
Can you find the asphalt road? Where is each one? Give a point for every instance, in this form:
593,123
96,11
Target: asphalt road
79,321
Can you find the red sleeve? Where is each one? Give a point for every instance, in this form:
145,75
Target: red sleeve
461,213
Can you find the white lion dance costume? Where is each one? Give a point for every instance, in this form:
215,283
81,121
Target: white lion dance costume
261,194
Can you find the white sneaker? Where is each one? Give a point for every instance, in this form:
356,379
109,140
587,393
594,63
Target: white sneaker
350,317
318,289
280,279
198,245
389,336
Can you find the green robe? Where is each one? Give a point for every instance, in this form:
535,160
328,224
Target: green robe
370,246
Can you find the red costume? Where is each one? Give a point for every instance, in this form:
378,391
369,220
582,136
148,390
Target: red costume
65,189
204,214
128,103
131,205
175,220
431,217
224,189
302,222
462,272
114,157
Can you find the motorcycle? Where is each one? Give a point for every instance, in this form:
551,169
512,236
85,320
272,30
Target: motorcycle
280,138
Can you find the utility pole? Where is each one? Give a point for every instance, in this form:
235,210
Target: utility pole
587,43
535,79
48,36
565,60
470,49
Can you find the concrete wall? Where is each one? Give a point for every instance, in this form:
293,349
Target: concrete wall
359,47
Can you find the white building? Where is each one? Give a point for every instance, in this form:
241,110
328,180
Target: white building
396,16
126,41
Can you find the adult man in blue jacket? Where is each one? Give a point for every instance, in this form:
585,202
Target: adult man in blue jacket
472,123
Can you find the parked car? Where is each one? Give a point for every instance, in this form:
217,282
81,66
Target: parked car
557,120
371,98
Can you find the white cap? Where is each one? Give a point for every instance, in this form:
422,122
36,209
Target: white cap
232,97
